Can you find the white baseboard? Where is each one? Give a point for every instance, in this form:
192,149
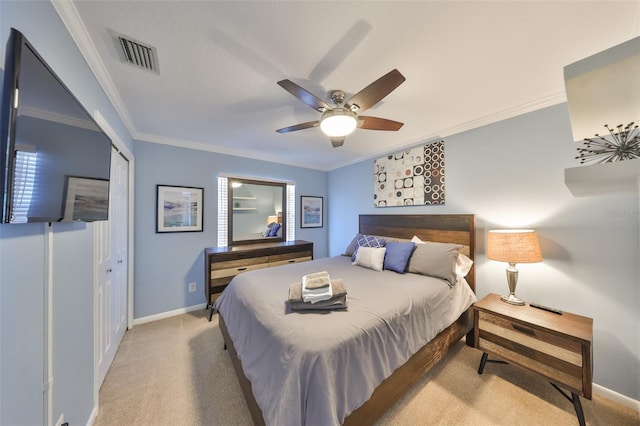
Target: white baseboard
168,314
616,397
93,416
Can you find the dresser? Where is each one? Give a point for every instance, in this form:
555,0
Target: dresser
558,347
221,264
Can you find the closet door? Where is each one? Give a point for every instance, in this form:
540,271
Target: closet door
112,255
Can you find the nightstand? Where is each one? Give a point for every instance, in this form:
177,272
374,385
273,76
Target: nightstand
557,347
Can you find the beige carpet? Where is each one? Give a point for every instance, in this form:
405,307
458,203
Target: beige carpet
175,372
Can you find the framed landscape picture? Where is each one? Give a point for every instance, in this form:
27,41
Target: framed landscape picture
86,199
179,209
311,212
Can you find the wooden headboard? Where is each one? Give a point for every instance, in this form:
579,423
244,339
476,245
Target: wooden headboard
441,228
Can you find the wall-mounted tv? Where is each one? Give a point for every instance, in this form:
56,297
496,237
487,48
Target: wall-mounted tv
55,159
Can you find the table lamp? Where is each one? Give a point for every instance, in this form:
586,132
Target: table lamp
513,246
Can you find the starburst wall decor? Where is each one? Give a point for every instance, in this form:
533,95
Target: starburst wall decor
623,144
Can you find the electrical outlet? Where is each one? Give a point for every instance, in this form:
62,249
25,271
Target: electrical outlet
192,287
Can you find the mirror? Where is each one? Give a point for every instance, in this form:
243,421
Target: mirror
604,89
257,211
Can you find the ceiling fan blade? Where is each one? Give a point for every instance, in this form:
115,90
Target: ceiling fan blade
373,93
376,123
300,126
337,141
307,97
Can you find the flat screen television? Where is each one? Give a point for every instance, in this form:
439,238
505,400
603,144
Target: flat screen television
55,158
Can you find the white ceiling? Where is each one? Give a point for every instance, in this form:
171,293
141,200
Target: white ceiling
466,64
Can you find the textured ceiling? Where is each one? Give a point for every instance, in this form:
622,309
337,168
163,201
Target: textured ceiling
466,64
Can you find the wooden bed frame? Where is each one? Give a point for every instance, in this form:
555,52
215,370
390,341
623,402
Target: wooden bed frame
444,228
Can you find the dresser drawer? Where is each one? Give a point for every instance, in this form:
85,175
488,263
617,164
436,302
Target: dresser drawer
285,258
231,268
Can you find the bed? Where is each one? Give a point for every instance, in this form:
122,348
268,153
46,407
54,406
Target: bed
346,366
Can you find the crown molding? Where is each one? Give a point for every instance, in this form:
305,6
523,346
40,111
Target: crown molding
179,143
505,114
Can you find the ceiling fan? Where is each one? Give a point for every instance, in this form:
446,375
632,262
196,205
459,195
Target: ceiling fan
339,121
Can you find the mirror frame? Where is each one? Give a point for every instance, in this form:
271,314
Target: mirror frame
230,181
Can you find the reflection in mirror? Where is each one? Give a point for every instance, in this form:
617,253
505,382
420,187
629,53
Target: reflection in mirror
257,211
604,89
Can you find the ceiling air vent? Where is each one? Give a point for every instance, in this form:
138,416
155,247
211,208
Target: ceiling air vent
138,54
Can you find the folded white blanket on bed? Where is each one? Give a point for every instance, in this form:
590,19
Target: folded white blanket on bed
314,296
316,287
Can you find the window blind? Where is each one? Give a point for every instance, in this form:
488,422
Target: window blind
223,222
291,212
23,183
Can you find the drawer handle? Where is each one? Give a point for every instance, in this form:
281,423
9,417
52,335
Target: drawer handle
527,351
242,269
523,329
292,261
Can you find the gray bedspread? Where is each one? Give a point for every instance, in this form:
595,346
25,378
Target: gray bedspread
315,368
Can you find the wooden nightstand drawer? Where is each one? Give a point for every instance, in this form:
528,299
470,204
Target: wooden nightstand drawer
558,347
559,372
502,330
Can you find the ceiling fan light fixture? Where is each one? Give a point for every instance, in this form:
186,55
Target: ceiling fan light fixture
338,122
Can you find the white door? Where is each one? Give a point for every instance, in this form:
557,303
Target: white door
111,264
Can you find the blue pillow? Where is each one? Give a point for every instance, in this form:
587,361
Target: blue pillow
274,230
397,256
367,241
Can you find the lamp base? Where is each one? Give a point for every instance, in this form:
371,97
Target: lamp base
512,299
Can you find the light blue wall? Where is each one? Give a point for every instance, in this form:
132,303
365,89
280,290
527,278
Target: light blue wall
511,174
166,263
23,272
73,350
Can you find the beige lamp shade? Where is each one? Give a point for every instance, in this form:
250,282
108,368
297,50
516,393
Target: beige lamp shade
513,246
272,219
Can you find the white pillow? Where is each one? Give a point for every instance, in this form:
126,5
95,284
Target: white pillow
370,257
463,265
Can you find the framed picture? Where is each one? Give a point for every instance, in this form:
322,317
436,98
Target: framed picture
412,177
86,199
310,212
179,209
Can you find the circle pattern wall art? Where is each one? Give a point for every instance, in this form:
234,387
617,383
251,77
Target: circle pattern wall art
414,176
